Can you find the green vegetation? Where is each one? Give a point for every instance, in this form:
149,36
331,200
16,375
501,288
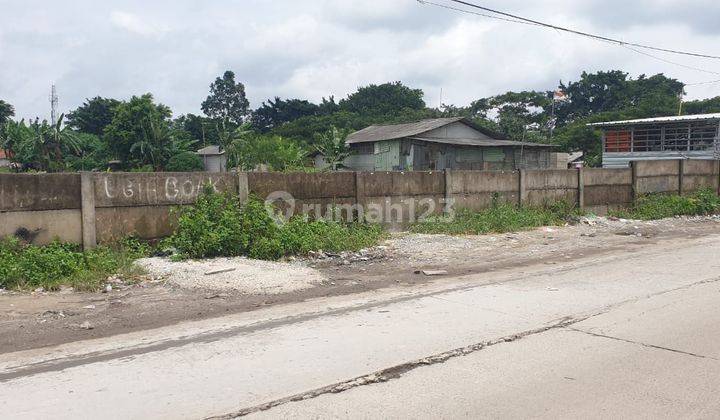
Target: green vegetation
185,162
660,206
281,132
218,225
30,266
500,218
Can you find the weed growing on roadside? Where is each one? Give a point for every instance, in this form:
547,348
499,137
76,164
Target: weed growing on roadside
219,226
500,218
50,266
661,206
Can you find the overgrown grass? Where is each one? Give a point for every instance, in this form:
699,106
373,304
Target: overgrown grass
219,226
660,206
500,218
51,266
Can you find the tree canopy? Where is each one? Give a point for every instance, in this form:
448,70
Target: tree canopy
135,124
6,112
227,99
281,132
93,115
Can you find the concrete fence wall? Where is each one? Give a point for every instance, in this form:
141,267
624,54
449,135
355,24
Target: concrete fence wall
101,207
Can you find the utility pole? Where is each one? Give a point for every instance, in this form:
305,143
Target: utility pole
680,96
53,105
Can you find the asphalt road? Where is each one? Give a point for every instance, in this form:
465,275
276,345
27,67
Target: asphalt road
632,334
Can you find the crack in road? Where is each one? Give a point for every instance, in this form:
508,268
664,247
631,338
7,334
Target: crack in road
62,363
640,343
398,371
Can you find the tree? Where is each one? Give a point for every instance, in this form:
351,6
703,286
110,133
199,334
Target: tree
93,115
134,121
231,138
331,144
702,106
278,153
93,154
614,91
185,162
40,145
227,99
273,114
516,111
385,99
200,128
6,112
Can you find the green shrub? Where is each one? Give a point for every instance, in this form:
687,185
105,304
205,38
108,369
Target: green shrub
185,162
660,206
500,218
210,228
218,226
50,266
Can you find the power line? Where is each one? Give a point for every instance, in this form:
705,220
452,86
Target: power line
511,17
457,9
671,62
709,82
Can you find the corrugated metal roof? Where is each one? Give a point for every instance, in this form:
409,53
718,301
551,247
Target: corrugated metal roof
210,150
697,117
397,131
572,157
480,142
415,130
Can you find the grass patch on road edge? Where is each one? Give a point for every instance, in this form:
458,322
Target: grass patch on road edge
661,206
500,218
58,264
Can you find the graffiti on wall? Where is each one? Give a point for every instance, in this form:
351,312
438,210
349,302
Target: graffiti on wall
149,189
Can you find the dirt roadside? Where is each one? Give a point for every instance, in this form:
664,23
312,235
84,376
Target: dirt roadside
44,319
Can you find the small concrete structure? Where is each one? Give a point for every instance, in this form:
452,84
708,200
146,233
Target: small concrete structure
213,158
663,138
438,144
4,159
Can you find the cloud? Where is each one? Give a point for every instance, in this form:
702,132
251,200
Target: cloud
135,24
175,48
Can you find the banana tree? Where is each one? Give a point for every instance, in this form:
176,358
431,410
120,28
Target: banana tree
331,144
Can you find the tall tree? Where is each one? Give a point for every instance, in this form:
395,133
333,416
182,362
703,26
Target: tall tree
6,112
515,112
610,91
131,123
227,99
275,113
93,115
385,99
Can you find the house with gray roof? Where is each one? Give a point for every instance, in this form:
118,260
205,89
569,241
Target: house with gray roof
442,143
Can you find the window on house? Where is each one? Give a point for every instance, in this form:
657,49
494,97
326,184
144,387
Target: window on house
363,148
702,136
676,137
647,139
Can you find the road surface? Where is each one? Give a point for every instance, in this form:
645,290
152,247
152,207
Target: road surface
631,334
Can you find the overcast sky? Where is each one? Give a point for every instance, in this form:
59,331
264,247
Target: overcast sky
314,48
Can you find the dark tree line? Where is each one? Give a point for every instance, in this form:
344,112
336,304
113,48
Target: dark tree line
140,134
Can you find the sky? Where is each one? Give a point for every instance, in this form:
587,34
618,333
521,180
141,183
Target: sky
312,49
